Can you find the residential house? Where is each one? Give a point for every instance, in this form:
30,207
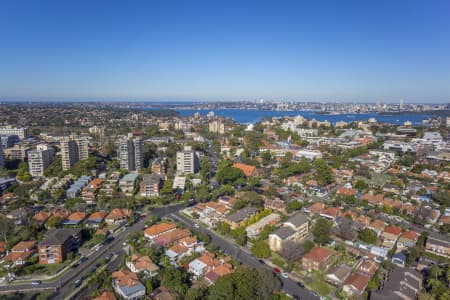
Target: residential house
177,252
227,201
171,237
390,236
238,218
367,267
75,218
407,239
127,285
158,229
338,274
377,226
41,217
315,209
222,270
142,264
317,259
20,253
294,229
399,259
106,295
331,213
57,243
95,219
205,263
2,249
355,284
118,216
89,193
127,183
248,170
399,284
379,252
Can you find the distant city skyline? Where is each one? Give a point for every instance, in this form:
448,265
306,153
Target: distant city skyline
323,51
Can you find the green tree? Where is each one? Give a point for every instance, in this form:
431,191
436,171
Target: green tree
230,175
196,293
367,235
361,185
323,172
261,249
6,227
53,222
175,279
321,231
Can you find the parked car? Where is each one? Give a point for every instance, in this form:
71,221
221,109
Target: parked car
284,275
276,270
83,259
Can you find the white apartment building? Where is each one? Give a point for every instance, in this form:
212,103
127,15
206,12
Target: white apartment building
39,160
131,153
187,161
9,130
69,154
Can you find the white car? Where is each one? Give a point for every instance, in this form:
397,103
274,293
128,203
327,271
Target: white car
196,225
285,275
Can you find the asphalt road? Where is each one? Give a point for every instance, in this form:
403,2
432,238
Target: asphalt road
64,284
289,286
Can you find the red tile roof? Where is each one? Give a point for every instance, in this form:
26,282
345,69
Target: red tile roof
318,254
393,230
247,169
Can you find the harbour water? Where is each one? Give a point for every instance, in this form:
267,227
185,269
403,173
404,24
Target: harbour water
252,116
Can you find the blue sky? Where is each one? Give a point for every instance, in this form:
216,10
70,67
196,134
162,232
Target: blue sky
225,50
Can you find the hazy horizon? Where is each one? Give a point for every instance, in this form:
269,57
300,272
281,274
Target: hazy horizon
348,51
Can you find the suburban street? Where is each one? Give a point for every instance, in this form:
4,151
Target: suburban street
64,284
289,285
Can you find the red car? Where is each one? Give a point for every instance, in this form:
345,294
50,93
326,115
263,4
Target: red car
276,270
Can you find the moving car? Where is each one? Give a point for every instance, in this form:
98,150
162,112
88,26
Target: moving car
77,283
36,282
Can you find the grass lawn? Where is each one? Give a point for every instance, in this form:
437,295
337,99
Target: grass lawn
277,260
319,285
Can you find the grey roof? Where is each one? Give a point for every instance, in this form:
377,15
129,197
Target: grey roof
341,272
284,232
151,178
242,214
399,280
298,219
58,236
439,242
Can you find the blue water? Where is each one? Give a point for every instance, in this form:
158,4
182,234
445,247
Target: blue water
252,116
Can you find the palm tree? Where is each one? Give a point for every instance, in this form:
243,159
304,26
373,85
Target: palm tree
436,272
